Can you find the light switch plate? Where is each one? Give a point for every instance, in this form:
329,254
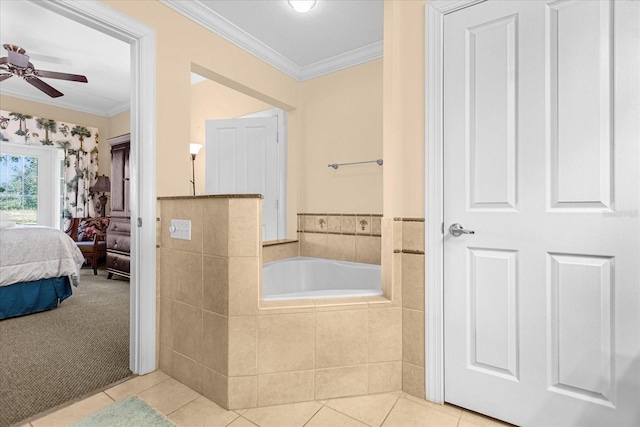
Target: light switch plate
180,229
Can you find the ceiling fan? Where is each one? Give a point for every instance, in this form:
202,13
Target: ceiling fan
16,63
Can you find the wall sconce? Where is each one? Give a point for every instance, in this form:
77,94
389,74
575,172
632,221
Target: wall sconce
194,149
102,184
4,122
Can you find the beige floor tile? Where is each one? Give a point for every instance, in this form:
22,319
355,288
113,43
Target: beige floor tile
408,413
75,412
372,409
202,412
168,396
449,409
328,417
240,411
292,415
242,422
136,385
481,420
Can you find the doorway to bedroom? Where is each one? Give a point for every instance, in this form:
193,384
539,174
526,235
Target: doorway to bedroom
139,333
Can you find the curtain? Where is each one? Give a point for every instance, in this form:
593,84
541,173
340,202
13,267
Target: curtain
79,145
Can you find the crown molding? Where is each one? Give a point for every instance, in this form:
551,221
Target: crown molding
69,105
118,108
345,60
197,12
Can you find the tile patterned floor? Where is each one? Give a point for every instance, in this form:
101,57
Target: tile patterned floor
187,408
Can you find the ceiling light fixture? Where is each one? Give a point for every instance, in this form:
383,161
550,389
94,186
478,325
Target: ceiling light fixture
302,6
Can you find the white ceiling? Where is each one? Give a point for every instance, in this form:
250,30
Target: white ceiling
56,43
335,34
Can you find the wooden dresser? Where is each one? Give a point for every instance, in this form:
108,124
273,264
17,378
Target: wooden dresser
119,231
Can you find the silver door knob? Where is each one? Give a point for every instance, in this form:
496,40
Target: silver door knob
456,230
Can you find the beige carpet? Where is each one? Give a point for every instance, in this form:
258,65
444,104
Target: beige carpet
53,357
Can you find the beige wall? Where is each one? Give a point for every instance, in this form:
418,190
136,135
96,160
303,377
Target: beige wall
212,100
120,124
107,126
403,111
341,121
182,45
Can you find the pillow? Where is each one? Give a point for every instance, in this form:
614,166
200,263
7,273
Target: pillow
89,227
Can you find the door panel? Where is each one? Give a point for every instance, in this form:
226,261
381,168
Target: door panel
579,37
493,331
242,158
541,154
581,326
491,78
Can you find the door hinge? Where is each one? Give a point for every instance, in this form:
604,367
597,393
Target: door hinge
139,222
442,228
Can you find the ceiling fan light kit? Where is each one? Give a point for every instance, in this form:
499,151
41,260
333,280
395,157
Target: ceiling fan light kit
16,63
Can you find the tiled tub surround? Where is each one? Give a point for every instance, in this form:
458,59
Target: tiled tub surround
217,337
408,260
344,237
279,249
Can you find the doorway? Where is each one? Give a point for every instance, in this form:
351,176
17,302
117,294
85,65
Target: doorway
539,305
102,18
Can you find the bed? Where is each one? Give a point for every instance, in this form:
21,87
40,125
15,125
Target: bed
38,265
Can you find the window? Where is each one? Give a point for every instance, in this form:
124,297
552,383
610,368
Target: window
19,187
29,184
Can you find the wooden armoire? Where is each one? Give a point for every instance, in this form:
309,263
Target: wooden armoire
119,231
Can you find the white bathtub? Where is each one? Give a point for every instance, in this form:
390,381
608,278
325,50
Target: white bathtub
303,277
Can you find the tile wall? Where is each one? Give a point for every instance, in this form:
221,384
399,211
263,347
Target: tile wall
409,258
345,237
208,296
275,251
217,337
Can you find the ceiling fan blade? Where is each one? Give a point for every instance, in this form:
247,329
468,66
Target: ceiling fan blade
5,76
61,76
36,82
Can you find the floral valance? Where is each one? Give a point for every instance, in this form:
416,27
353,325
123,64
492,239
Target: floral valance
79,145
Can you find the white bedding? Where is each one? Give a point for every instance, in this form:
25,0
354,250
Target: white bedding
34,253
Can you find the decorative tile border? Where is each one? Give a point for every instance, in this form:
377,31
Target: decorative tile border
412,252
408,251
339,223
412,219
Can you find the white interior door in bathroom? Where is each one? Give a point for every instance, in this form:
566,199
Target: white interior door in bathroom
242,158
541,153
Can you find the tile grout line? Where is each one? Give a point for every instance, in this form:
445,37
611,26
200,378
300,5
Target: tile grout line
148,388
350,416
391,410
177,409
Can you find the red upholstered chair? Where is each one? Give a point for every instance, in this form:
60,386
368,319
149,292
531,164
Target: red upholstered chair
90,236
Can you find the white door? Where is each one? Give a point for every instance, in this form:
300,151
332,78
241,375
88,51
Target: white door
242,158
541,155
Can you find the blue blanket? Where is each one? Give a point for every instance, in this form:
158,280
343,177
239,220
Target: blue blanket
32,297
